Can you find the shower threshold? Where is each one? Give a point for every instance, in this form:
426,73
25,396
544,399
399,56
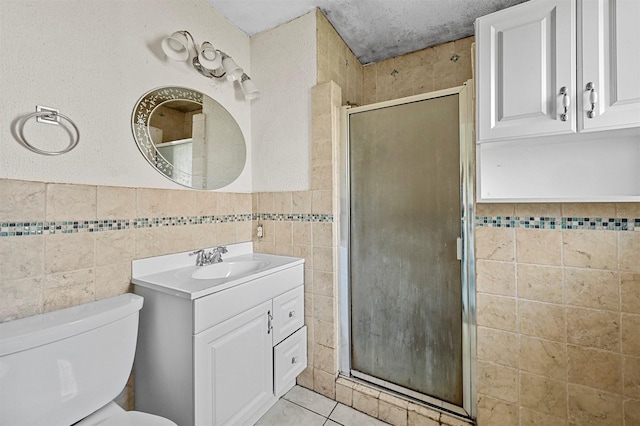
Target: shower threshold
411,395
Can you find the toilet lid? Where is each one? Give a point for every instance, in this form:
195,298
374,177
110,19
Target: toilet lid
136,418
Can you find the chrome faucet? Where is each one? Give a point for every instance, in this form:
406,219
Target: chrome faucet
207,258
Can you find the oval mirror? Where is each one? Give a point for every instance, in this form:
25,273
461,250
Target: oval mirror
189,137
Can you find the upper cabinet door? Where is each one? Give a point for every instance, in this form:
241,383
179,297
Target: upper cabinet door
609,80
527,70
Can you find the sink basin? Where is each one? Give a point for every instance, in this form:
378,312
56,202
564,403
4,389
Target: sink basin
178,275
228,269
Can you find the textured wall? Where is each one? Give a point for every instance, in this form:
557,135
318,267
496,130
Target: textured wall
93,61
284,64
66,244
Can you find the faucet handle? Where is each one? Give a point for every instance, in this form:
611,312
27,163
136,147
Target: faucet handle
201,255
222,249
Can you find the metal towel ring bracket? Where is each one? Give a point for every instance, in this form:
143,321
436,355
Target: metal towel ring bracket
48,116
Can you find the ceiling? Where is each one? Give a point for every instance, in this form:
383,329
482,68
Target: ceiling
374,29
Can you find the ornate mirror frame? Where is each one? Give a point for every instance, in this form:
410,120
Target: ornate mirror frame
141,117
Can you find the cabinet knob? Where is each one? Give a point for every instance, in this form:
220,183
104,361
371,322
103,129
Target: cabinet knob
593,99
294,360
292,314
566,101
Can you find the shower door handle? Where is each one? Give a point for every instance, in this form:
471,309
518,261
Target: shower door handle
459,248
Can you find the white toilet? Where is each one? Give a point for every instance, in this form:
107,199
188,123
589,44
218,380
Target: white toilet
66,367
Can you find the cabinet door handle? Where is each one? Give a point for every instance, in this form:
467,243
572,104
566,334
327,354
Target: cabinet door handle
566,101
269,319
292,314
294,360
593,99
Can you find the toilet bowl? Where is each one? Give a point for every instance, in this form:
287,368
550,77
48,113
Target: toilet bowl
113,415
66,367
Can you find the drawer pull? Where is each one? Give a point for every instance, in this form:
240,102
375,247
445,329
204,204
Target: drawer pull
294,360
292,314
566,101
593,98
269,325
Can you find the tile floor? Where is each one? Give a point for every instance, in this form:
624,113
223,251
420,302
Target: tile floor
300,406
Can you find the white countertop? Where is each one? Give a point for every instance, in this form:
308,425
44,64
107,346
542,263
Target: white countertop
171,273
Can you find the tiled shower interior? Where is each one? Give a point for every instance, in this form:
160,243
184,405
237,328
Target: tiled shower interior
558,285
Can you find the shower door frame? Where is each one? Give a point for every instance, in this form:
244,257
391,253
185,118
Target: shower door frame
467,180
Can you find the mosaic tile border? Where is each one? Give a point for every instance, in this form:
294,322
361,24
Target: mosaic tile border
21,228
294,217
531,222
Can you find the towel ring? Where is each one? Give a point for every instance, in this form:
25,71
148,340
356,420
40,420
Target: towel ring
50,117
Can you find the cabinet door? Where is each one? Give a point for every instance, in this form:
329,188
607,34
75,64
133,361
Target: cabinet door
234,369
610,49
526,55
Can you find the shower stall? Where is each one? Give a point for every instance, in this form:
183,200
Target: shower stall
406,248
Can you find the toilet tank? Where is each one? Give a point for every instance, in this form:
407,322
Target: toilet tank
59,367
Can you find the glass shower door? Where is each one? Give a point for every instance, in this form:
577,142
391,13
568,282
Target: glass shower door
405,221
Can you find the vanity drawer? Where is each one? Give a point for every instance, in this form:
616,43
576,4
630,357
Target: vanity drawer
288,313
289,359
217,307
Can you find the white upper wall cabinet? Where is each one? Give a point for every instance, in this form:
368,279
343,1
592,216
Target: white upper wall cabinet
527,68
558,102
610,73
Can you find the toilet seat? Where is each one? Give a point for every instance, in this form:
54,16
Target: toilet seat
113,415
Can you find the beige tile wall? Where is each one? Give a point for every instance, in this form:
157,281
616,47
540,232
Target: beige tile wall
558,315
314,241
43,273
337,63
423,71
415,73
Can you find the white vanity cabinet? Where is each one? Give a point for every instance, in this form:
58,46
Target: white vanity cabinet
223,358
543,62
558,102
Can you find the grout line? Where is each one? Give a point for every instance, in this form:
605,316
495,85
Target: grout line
309,409
334,409
306,408
327,417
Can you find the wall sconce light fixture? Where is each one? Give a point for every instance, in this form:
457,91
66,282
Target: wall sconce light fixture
208,61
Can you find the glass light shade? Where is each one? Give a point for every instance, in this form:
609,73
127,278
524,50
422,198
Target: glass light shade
176,46
209,57
248,88
234,72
